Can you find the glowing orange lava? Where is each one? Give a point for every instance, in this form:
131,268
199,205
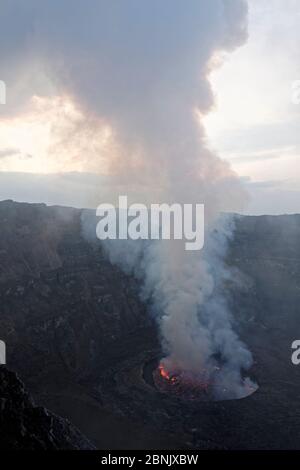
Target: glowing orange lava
180,382
203,385
163,372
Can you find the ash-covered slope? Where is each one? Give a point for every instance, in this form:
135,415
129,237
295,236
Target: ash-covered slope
78,335
24,426
62,304
67,315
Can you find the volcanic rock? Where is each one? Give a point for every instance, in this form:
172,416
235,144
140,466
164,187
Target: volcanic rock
24,426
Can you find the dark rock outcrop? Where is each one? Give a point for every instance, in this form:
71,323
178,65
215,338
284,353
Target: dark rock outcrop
24,426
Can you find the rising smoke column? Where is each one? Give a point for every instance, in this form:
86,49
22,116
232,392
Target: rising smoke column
142,67
163,149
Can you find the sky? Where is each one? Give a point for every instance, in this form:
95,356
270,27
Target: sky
256,121
52,150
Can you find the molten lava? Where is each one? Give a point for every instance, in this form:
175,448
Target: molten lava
180,383
163,372
205,385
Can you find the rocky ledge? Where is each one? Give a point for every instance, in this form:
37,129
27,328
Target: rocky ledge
24,426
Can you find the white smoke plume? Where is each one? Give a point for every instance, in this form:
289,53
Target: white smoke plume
142,67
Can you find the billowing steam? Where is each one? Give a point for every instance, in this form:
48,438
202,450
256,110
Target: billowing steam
158,100
142,67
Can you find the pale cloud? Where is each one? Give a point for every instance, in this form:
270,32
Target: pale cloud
259,155
255,124
9,152
53,136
